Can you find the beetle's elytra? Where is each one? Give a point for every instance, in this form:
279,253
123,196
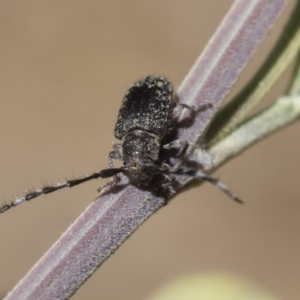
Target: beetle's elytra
146,106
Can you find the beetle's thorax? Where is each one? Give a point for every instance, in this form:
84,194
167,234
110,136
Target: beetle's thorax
140,150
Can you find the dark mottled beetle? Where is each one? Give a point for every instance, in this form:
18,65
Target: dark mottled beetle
145,116
143,121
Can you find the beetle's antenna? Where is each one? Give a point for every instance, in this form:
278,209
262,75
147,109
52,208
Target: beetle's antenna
216,182
52,188
198,174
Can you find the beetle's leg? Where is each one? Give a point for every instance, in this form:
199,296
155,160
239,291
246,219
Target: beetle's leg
183,113
115,154
178,144
167,187
166,184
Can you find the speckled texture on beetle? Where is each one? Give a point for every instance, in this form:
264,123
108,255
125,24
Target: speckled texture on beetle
143,120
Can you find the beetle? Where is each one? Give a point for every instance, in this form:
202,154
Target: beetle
147,113
144,118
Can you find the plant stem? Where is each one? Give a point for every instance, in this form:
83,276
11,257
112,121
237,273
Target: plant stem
282,113
235,112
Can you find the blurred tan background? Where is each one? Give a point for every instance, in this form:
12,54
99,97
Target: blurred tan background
64,68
